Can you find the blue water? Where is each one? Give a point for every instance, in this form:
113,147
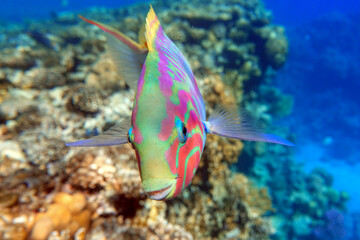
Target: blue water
20,10
323,66
294,12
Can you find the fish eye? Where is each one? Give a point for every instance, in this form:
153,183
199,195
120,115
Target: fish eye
182,131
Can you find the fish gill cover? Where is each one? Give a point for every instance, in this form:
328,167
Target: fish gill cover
58,84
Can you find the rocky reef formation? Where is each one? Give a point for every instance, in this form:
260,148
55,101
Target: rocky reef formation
302,200
57,84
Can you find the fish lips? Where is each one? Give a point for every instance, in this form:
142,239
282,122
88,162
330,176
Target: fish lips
159,188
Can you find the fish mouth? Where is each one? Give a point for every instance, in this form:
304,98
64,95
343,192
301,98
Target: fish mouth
159,188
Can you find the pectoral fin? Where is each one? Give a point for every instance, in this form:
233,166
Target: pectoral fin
234,125
116,135
127,55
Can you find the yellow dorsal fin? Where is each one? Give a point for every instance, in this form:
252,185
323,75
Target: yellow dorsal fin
152,25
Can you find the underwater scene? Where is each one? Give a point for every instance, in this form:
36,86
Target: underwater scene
186,119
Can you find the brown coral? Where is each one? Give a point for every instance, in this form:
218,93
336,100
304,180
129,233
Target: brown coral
87,100
17,59
67,213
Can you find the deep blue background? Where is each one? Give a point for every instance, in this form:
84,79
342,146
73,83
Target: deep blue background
293,12
19,10
323,74
286,12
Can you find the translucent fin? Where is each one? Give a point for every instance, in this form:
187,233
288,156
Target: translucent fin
130,43
141,37
116,135
152,25
233,125
127,62
127,55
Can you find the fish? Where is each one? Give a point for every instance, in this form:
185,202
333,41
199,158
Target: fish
168,126
46,39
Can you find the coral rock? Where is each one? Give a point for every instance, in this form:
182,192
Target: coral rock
78,203
60,215
42,229
18,59
87,100
14,232
11,150
276,49
80,220
8,199
75,203
41,78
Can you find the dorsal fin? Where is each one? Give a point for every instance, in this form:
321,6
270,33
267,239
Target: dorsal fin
157,40
127,55
152,26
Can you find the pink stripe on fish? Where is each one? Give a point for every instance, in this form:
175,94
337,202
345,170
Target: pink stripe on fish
169,53
172,111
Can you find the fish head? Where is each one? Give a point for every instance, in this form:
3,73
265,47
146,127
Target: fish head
168,138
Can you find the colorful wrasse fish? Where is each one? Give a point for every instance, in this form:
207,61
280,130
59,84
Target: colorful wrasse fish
168,126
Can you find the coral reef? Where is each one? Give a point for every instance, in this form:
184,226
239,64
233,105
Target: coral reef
333,228
65,216
309,196
58,87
